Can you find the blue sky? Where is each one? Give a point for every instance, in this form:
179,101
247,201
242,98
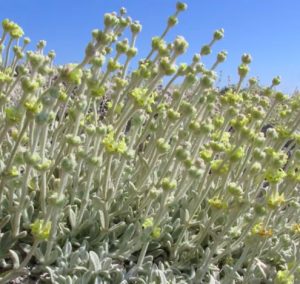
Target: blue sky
268,29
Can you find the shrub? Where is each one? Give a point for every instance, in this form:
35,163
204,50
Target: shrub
159,185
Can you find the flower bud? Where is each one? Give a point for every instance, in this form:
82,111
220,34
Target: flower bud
190,79
172,21
131,52
113,65
205,50
234,189
173,115
31,158
122,46
194,172
29,85
260,210
167,184
222,56
123,11
219,167
219,34
180,6
44,166
252,81
41,44
206,82
110,20
180,45
181,153
246,58
280,97
276,81
135,27
187,108
56,200
217,203
243,70
162,145
196,58
68,164
73,140
181,71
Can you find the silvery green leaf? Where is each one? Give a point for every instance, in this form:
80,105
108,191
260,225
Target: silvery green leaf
104,275
6,242
136,280
15,259
38,254
118,229
97,202
132,186
80,269
4,221
212,280
72,217
74,260
107,264
98,280
53,256
153,246
69,280
117,276
102,219
22,235
128,233
61,279
148,258
94,263
168,237
162,278
86,278
67,250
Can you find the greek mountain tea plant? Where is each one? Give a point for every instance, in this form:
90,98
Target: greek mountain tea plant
108,178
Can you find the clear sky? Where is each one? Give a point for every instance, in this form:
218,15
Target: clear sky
268,29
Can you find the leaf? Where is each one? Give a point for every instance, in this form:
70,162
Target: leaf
15,259
69,280
4,221
94,262
67,250
102,219
6,243
128,233
107,264
72,218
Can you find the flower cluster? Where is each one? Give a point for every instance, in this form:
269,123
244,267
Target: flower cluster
115,174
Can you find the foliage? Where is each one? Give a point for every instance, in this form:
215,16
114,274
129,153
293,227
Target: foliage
173,185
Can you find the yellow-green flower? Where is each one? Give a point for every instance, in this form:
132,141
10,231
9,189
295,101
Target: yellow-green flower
276,200
274,176
5,78
156,233
113,146
142,99
41,229
219,167
284,277
296,228
217,203
259,230
147,223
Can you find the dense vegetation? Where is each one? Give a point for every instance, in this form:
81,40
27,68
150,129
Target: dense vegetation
106,178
